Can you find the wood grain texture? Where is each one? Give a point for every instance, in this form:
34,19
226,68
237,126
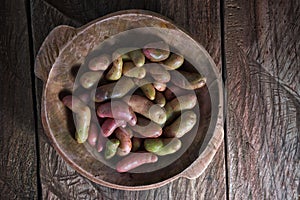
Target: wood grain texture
17,131
58,179
263,84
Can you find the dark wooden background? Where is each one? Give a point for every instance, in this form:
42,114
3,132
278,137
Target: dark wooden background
254,43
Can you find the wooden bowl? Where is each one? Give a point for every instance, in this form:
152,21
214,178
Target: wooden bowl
66,47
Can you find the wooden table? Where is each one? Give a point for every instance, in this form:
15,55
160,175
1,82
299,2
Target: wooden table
254,43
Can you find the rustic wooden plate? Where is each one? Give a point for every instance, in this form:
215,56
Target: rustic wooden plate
66,47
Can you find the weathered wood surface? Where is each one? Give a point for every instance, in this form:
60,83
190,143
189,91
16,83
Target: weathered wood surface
57,178
263,84
262,62
18,170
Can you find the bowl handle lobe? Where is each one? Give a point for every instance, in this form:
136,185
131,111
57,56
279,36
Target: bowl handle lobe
50,49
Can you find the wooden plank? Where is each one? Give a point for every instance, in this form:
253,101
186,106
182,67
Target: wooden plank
263,84
18,165
58,179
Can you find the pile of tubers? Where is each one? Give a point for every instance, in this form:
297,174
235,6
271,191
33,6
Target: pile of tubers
143,109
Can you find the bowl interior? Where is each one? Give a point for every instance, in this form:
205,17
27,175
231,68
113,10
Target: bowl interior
61,78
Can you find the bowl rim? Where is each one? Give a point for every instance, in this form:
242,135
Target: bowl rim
207,152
